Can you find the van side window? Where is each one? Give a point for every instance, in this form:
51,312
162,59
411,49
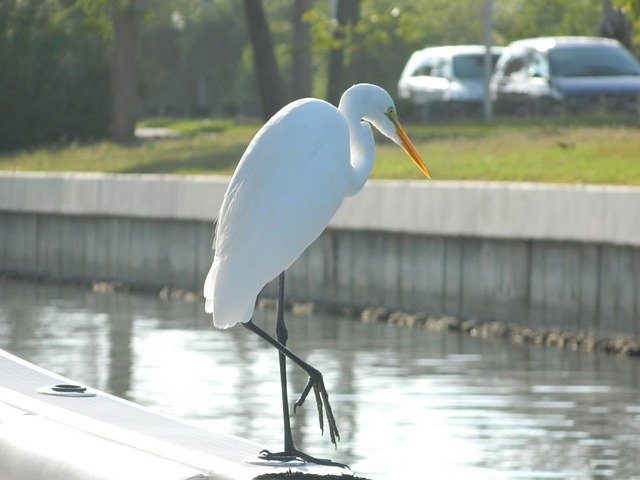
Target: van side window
422,71
439,68
538,65
514,64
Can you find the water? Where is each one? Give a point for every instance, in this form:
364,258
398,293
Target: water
409,404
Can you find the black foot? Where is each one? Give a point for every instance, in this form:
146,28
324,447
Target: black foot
322,402
296,455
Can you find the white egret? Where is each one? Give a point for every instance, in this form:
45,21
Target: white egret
290,181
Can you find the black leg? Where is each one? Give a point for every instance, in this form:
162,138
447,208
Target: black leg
282,335
317,384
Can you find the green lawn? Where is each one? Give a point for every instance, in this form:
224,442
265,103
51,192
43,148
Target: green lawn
535,152
588,151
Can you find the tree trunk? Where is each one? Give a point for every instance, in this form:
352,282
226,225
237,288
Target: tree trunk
615,24
358,62
124,77
301,74
347,14
270,84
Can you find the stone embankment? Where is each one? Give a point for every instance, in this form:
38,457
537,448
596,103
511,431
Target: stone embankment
549,258
521,334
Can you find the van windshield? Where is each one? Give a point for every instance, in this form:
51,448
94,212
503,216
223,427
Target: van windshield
470,65
592,61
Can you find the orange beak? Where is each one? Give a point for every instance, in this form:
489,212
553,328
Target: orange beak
411,150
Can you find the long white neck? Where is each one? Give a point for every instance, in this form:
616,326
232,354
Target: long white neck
362,145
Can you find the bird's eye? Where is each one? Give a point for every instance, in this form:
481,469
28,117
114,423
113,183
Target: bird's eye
390,113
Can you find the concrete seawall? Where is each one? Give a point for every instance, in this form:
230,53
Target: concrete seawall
546,255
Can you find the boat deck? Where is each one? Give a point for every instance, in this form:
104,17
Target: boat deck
94,435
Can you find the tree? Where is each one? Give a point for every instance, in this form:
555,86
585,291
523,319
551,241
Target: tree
347,15
117,20
301,73
270,84
54,79
124,71
615,24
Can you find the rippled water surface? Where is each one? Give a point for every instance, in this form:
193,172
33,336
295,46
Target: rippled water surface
409,404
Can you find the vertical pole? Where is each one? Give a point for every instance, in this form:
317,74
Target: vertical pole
488,60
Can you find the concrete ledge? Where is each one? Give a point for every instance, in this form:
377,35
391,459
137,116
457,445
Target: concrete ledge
580,213
118,195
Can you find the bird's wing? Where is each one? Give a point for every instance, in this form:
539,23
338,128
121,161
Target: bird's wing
290,181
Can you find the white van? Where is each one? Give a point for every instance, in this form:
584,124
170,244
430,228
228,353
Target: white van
446,80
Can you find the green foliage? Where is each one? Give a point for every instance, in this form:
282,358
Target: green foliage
373,42
632,7
96,14
192,61
384,49
514,19
390,30
425,23
54,77
195,58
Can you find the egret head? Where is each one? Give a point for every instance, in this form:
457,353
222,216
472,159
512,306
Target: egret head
381,113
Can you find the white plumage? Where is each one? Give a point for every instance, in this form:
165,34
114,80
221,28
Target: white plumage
290,181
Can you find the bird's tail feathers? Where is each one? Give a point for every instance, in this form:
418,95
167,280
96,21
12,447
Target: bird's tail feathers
208,305
209,288
232,310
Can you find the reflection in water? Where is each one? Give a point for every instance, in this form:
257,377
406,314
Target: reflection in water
409,404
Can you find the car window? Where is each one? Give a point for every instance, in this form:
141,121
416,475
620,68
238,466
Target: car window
427,68
514,64
592,61
470,65
537,65
439,68
422,70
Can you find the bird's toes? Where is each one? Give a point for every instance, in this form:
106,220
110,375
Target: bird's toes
316,391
